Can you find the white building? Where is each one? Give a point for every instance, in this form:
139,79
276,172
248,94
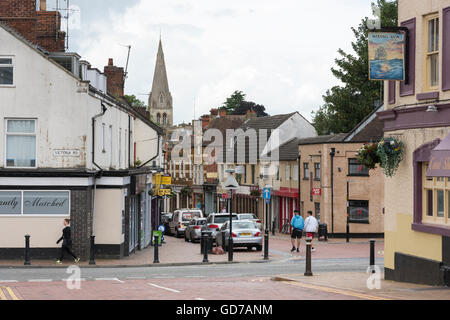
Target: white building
69,149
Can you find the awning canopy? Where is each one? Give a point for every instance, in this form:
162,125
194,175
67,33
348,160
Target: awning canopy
440,160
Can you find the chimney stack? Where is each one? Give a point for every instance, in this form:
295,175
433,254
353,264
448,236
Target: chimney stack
115,79
222,113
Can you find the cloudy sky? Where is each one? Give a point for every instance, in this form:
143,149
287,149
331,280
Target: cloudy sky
277,52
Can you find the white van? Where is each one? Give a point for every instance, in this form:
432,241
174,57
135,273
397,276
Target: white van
180,220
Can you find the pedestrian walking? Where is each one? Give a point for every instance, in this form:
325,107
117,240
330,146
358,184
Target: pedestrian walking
311,225
297,224
67,243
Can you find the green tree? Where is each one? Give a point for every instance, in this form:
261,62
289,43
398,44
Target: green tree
134,102
233,102
237,105
348,104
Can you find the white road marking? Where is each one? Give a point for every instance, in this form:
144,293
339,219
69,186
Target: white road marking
8,281
199,299
40,280
108,279
167,277
164,288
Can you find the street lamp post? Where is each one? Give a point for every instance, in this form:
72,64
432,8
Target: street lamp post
231,184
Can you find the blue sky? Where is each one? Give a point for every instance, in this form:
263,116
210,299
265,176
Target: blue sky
277,52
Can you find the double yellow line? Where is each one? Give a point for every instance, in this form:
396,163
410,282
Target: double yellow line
9,292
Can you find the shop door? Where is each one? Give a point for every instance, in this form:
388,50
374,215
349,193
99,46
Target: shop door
134,223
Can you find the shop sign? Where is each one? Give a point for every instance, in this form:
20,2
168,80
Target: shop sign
35,202
387,56
316,191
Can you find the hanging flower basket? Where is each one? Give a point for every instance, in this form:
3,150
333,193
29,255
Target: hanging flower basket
255,193
368,155
390,151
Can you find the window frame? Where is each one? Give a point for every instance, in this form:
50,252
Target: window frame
350,220
13,66
428,54
434,185
317,169
287,172
359,164
306,167
36,130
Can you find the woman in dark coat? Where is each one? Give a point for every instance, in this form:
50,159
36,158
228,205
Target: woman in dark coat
67,243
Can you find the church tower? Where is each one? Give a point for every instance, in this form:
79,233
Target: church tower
160,100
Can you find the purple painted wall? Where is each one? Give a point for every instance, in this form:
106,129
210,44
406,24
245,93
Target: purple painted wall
446,49
409,89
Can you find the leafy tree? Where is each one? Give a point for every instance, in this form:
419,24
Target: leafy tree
233,102
347,105
134,102
237,105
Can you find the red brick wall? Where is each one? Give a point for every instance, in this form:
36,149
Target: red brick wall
39,27
114,82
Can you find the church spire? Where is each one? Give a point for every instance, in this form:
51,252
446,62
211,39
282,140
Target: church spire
160,100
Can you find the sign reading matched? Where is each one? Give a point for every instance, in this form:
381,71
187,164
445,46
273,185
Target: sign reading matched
34,203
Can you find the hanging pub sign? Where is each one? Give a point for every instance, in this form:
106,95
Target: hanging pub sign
387,56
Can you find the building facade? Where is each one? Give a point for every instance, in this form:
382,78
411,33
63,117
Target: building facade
69,151
417,198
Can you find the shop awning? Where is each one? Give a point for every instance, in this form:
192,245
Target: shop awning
440,160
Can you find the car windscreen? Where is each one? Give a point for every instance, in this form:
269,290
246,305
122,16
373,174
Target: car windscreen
246,216
223,219
187,216
243,225
201,222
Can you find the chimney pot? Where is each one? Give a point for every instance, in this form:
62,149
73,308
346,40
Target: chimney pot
110,62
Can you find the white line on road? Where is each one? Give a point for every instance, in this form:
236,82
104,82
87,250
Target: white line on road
8,281
199,299
40,280
168,289
109,279
166,277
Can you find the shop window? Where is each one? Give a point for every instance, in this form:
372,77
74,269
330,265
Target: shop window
359,211
357,169
288,173
21,143
436,197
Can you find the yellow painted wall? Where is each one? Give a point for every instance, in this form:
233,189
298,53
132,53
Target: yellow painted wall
399,237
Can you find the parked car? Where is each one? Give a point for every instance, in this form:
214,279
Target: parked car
165,218
252,217
180,220
244,234
193,231
216,221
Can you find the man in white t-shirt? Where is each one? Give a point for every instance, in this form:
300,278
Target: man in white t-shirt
311,225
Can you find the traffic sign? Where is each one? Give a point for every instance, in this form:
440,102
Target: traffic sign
266,193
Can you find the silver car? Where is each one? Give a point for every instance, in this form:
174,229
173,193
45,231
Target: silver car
193,231
252,217
216,221
245,234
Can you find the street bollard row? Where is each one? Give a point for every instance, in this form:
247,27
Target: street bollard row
372,255
156,250
27,250
308,271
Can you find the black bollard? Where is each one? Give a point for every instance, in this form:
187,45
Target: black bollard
266,245
273,228
308,271
372,255
205,248
155,250
92,255
223,240
27,250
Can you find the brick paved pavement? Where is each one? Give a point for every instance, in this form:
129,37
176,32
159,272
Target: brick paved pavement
176,251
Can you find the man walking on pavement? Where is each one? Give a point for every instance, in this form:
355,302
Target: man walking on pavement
311,226
297,224
67,243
